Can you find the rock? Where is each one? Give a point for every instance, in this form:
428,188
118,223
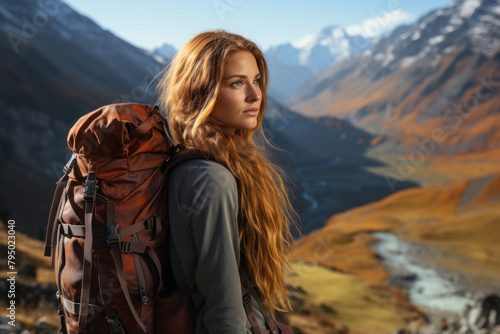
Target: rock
443,325
484,314
400,331
5,328
297,300
495,330
298,289
27,270
328,309
41,326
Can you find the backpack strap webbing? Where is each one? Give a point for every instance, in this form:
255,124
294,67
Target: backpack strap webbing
102,232
89,196
181,154
50,236
247,302
252,292
106,295
118,261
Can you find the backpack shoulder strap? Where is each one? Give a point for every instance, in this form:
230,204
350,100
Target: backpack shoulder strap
181,154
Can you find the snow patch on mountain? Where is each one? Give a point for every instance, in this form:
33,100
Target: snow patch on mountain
303,42
472,22
375,25
469,7
436,40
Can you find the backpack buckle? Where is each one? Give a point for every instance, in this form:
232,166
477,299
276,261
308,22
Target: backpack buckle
126,247
113,236
247,299
115,326
69,165
151,224
90,190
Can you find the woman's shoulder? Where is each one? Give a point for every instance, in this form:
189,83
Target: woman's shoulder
196,174
202,164
204,168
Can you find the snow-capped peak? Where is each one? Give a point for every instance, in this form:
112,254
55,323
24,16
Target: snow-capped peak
318,51
303,42
293,63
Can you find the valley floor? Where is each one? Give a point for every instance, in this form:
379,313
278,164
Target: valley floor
451,219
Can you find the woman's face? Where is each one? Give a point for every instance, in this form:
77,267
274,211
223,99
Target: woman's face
238,103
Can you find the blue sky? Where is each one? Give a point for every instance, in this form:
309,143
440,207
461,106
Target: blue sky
150,23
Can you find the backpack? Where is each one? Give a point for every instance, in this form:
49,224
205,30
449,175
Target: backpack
108,226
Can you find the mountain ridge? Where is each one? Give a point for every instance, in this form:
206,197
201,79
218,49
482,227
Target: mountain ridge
432,80
292,64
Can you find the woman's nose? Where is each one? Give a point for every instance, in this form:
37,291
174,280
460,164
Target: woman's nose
253,93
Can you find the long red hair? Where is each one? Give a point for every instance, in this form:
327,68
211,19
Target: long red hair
187,94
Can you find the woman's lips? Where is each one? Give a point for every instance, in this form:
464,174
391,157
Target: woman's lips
252,111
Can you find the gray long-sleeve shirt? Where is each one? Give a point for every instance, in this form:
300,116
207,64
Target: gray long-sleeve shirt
203,208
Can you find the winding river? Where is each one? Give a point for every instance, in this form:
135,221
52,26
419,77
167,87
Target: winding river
338,185
426,287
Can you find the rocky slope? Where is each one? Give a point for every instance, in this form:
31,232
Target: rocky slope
435,83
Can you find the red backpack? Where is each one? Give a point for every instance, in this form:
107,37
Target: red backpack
107,229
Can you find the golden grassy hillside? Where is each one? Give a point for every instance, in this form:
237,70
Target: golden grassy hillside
29,254
28,251
457,219
328,301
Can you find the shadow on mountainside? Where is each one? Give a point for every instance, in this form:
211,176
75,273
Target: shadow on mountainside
325,158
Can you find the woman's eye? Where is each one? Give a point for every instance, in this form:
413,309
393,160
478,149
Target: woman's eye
237,83
256,81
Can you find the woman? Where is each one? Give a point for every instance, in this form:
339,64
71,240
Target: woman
229,219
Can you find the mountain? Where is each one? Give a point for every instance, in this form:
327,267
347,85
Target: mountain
54,72
56,66
325,158
167,51
292,64
433,83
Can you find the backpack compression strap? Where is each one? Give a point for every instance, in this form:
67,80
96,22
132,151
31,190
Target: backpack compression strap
89,196
54,208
